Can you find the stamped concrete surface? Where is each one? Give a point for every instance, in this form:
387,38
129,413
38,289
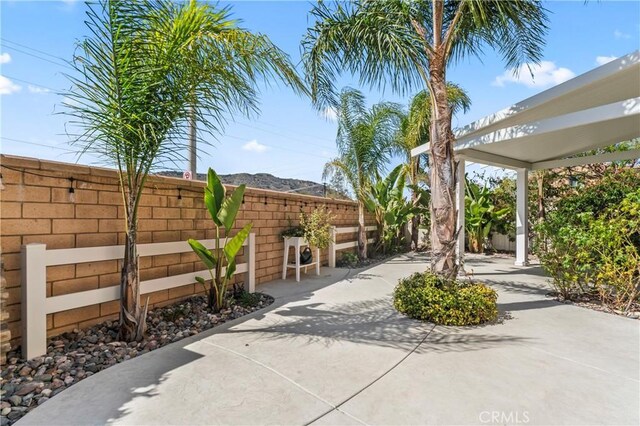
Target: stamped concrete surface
332,351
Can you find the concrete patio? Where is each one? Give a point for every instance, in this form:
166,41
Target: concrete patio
332,350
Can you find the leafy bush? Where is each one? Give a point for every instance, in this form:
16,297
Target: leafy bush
247,300
429,297
590,244
348,259
317,227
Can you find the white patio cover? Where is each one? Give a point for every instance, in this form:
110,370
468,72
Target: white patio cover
593,110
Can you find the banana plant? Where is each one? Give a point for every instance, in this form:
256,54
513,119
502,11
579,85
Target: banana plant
480,215
385,199
221,259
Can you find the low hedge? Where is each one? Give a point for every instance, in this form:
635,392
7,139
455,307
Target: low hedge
428,297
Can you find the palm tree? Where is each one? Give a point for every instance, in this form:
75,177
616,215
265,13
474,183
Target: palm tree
145,69
415,131
409,45
365,138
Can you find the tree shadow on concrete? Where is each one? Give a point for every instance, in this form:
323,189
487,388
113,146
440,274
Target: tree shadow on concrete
523,270
102,398
372,322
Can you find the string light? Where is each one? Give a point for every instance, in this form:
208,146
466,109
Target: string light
72,191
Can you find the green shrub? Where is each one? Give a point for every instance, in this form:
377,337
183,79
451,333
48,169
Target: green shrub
348,259
590,245
247,300
428,297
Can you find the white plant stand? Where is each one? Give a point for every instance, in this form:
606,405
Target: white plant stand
297,243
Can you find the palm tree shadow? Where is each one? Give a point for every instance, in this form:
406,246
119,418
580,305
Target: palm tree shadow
373,322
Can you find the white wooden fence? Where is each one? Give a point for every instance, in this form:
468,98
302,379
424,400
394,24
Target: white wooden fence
333,246
36,305
501,242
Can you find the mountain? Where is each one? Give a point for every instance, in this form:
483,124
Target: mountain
268,181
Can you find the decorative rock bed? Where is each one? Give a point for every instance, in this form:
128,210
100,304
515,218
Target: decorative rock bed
77,355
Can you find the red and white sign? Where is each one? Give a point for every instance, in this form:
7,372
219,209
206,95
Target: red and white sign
187,175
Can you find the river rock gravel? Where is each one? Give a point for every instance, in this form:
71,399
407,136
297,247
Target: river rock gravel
74,356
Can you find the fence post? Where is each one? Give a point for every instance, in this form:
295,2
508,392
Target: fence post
250,284
34,300
332,248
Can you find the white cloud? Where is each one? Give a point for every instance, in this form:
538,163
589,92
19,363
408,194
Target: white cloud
5,58
620,34
330,113
601,60
37,89
7,86
546,73
254,146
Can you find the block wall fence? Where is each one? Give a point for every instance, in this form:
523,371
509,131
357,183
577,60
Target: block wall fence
36,206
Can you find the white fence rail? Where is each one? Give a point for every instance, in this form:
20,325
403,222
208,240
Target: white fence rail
501,242
36,305
334,247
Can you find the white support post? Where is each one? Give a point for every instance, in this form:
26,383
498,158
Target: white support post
460,193
522,224
332,248
250,284
34,297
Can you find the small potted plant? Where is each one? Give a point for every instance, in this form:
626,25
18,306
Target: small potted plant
316,227
314,231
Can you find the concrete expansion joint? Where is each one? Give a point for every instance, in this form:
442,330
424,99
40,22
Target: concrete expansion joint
279,374
393,367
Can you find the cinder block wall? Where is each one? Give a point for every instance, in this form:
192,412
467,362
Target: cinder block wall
37,207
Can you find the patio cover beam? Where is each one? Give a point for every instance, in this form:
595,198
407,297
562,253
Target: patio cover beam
608,157
557,128
493,159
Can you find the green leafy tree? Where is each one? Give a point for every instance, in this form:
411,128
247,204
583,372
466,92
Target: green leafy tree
223,210
415,131
146,68
409,45
365,138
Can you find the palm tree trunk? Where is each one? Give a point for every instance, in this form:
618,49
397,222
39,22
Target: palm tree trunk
132,321
442,178
362,233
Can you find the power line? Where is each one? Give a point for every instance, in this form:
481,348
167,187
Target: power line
281,135
36,144
40,57
31,83
32,48
298,134
279,147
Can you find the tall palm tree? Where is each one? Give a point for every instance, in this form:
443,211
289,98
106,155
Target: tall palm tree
365,142
409,45
145,69
416,131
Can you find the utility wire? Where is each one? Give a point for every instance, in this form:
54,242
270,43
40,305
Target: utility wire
284,136
41,58
31,83
6,40
36,144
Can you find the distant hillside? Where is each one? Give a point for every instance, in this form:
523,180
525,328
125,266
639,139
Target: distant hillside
268,181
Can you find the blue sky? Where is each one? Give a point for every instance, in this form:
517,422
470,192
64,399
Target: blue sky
289,138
